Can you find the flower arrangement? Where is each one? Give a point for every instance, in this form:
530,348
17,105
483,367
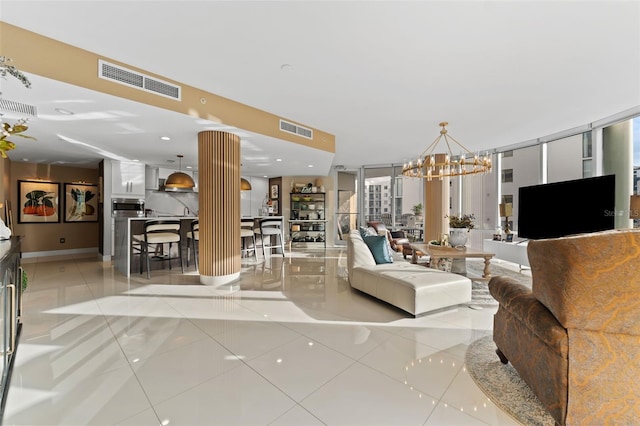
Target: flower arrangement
6,129
6,68
462,221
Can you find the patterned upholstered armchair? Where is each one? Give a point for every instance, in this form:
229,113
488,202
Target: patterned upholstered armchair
396,238
575,338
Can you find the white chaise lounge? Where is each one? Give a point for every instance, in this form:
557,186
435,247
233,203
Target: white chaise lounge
413,288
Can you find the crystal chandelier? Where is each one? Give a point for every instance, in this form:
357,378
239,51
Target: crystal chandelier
430,165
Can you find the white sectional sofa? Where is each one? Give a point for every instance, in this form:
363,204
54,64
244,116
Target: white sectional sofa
413,288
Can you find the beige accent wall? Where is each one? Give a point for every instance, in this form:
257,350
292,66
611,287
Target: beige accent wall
5,187
46,236
50,58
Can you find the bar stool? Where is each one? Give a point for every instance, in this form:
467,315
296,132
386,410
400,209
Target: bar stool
246,231
193,237
158,233
268,228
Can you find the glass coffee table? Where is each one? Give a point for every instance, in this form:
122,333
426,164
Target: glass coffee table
438,252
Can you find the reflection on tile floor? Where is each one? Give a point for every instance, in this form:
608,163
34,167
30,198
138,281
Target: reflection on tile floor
290,343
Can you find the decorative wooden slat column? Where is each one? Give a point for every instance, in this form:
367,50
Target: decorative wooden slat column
436,201
219,202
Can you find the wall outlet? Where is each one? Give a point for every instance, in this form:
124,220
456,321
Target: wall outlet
61,240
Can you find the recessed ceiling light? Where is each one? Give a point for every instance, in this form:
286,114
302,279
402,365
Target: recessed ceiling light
189,167
286,67
265,176
310,165
136,160
278,159
25,159
165,138
63,111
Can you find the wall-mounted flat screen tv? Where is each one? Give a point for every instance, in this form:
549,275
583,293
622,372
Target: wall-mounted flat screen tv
566,208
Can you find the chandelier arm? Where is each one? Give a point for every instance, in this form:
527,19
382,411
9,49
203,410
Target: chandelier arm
462,146
431,147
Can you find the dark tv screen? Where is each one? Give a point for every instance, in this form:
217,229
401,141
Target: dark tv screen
566,208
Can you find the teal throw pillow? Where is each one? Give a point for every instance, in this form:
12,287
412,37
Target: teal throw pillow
378,247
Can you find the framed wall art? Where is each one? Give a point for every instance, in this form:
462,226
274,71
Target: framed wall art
38,202
275,192
80,202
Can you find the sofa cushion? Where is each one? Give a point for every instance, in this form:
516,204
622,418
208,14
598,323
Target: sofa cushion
358,253
379,248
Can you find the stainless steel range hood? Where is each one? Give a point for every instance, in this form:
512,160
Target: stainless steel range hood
163,187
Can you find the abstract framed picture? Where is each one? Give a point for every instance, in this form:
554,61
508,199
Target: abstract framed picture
38,202
80,202
275,192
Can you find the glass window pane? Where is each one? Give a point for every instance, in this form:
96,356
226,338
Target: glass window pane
564,158
587,168
527,162
586,145
507,175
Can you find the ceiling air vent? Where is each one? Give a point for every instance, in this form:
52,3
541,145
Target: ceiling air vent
135,79
18,107
285,126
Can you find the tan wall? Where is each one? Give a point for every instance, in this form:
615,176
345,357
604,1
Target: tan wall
46,236
5,188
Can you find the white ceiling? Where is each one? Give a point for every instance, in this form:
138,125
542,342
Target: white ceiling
380,76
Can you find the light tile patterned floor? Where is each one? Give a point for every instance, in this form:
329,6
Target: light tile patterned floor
289,344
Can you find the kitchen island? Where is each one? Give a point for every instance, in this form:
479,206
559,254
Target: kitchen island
125,227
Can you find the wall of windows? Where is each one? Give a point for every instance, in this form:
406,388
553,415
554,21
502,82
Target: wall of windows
525,169
565,158
389,196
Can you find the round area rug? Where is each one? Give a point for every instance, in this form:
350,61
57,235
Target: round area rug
502,384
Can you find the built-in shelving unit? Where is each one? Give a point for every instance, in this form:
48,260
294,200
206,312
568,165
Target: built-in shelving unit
307,223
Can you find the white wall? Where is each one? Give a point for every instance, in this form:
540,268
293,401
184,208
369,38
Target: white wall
172,203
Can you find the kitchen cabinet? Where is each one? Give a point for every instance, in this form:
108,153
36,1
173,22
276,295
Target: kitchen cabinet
10,308
307,224
127,179
152,178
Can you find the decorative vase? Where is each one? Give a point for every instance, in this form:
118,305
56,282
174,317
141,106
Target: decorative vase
458,236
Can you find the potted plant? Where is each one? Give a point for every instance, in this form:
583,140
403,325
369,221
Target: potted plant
460,225
417,209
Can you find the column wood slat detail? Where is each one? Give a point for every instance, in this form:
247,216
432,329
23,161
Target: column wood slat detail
219,201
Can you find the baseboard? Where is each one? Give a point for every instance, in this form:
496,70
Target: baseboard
31,254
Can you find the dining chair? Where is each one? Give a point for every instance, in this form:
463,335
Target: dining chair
246,232
268,229
193,241
157,233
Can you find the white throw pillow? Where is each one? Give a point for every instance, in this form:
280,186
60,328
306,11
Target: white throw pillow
5,232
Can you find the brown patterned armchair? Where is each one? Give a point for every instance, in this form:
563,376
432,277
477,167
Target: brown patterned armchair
575,338
396,238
